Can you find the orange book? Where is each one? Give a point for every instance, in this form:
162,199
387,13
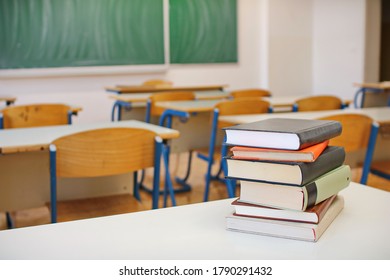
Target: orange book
308,154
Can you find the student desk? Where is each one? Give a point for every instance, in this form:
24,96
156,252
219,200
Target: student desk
132,106
8,100
197,231
372,94
24,162
150,89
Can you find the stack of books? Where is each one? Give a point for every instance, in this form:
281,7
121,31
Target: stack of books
289,177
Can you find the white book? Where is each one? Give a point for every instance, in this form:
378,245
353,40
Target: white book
286,229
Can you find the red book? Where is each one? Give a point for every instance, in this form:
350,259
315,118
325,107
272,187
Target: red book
308,154
311,215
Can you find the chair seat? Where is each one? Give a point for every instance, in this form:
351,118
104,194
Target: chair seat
98,206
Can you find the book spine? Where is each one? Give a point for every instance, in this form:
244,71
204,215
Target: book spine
332,157
327,185
325,132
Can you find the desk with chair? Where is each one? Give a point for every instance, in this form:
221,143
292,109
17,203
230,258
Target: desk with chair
24,162
133,106
372,94
119,89
197,231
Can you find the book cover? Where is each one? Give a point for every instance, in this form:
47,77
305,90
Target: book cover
282,133
294,173
312,215
286,229
308,154
297,198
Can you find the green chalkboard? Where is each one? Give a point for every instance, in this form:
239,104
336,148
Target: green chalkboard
71,33
203,31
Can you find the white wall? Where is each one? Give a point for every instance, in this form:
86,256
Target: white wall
338,46
292,47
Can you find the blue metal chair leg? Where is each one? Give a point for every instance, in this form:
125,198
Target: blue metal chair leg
183,181
136,186
168,186
230,183
10,222
369,153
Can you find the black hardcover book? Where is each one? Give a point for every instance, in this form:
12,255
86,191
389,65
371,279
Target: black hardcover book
282,133
292,173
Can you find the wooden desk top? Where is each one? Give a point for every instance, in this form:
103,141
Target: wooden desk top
39,138
208,105
382,85
7,99
149,89
197,231
143,97
379,114
210,98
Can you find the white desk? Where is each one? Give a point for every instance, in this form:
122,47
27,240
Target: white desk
133,105
197,231
24,165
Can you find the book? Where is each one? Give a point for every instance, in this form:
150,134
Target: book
294,173
297,198
308,154
282,133
286,229
312,215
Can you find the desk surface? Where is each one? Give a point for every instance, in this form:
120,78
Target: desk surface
7,99
212,96
39,138
148,89
197,231
143,97
208,105
381,85
379,114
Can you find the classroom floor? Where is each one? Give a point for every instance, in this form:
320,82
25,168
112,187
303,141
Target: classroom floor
96,207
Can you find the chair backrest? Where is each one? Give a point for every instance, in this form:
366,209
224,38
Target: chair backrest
355,134
241,107
359,133
158,83
103,152
318,103
167,96
35,115
245,93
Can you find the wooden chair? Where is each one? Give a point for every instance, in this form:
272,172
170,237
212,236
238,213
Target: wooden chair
358,134
227,107
104,152
245,93
158,83
35,115
153,111
318,103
